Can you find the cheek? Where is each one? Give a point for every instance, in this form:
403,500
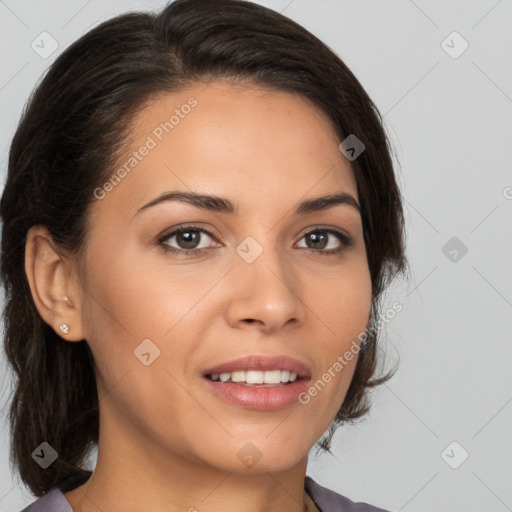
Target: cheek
126,311
117,316
343,304
148,297
129,302
344,309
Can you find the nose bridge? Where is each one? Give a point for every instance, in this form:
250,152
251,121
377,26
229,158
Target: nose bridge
262,255
265,281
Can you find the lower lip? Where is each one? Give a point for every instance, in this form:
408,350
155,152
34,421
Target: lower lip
259,397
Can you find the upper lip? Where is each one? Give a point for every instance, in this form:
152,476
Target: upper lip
263,363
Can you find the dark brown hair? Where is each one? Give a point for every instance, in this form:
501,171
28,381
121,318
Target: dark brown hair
67,144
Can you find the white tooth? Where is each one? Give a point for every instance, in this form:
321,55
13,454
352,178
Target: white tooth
293,376
238,376
225,377
214,376
272,377
285,376
253,377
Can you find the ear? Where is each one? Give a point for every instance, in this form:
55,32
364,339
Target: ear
54,285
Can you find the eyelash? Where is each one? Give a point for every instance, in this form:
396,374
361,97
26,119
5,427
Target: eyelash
345,240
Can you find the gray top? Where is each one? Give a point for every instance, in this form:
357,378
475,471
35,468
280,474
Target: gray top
325,499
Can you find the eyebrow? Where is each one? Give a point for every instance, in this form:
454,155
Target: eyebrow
218,204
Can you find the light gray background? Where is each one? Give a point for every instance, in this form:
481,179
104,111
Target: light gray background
451,121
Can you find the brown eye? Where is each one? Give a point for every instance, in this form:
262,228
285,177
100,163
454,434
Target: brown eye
319,241
186,241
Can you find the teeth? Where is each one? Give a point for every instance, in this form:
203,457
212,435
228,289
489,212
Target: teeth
238,376
252,377
272,377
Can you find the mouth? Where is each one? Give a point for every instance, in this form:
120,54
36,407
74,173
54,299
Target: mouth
260,371
259,382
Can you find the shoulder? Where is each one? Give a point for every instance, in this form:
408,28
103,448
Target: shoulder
52,501
330,501
325,499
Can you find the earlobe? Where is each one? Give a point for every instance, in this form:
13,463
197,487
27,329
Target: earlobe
54,287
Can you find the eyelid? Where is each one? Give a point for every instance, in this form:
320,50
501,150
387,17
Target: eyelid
327,228
183,227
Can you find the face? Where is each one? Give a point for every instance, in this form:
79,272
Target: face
187,308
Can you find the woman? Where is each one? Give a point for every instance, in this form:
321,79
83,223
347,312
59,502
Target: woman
209,218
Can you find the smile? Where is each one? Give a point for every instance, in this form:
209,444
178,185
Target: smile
255,377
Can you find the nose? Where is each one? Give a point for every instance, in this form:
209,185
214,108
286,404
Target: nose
264,293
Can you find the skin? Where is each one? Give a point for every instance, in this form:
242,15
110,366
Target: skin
167,443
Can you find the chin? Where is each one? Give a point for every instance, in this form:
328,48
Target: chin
260,454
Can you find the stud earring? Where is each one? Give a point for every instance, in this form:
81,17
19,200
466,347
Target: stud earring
64,328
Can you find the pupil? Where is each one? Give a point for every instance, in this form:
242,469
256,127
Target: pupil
322,237
188,241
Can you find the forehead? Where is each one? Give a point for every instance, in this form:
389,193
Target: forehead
251,143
